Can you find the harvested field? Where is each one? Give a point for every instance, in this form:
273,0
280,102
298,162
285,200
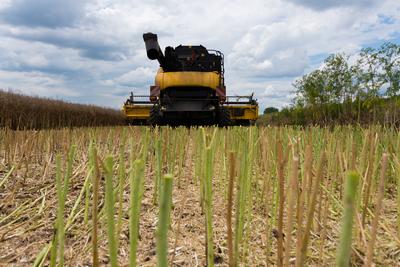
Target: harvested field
287,203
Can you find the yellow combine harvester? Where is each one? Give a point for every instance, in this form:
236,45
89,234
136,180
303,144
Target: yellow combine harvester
189,89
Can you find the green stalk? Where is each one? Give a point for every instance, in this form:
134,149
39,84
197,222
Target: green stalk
158,152
136,180
208,206
72,216
310,214
96,181
87,203
180,161
249,200
109,199
229,210
4,180
293,189
62,190
397,178
40,258
241,198
344,248
67,177
53,253
202,160
145,142
282,160
121,179
374,225
163,221
87,191
172,152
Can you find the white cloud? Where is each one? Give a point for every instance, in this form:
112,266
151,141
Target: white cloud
136,76
270,51
35,83
327,4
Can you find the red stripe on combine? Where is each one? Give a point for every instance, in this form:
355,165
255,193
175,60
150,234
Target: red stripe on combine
220,91
154,90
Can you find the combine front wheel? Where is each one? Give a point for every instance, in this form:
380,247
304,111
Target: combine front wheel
224,118
155,117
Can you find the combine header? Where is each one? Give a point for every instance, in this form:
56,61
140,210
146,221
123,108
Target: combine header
189,89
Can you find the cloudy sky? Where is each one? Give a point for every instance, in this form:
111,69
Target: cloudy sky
92,51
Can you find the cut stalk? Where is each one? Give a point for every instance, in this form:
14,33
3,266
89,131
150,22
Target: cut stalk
374,226
310,214
368,179
40,258
229,209
208,207
344,248
96,178
87,191
302,197
158,156
109,202
121,185
164,221
62,190
136,181
53,253
67,177
291,203
397,171
4,180
282,160
72,216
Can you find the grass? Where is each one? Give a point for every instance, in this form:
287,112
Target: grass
240,196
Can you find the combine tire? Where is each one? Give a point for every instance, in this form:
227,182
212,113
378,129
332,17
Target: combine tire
155,118
224,118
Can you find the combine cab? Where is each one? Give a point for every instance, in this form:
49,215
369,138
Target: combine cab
189,89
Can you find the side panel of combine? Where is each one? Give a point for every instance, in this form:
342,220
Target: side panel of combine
136,114
243,114
187,79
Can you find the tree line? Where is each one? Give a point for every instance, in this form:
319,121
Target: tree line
362,88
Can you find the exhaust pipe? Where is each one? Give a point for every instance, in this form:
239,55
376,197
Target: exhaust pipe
152,47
